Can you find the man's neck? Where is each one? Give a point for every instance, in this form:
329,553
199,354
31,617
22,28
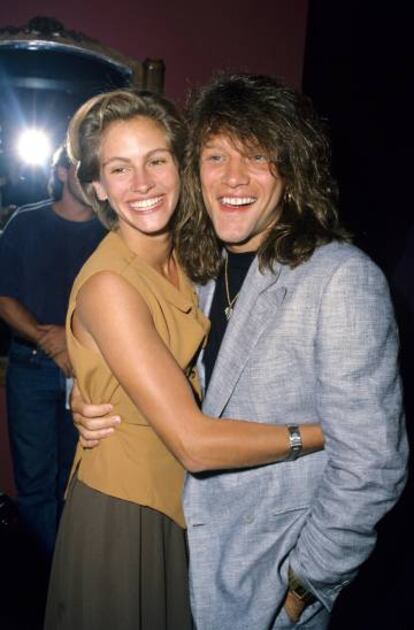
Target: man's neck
72,210
234,249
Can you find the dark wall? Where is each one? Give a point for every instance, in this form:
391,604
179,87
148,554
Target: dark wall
193,38
358,70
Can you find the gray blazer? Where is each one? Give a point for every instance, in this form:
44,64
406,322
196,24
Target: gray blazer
313,344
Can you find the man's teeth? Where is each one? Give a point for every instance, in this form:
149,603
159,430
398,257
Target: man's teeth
144,204
237,201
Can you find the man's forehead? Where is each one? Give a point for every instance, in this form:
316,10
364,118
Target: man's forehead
238,142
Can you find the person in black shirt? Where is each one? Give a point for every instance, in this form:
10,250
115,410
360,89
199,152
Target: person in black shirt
42,249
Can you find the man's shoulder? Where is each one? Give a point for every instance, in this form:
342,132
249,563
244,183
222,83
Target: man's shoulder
334,264
337,252
339,267
29,212
336,255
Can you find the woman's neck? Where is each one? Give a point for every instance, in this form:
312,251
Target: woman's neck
155,249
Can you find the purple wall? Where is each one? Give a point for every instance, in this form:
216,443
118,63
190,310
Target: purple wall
193,38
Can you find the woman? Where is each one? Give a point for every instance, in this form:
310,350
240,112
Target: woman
133,332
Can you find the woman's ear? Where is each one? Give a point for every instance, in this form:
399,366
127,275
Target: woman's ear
100,191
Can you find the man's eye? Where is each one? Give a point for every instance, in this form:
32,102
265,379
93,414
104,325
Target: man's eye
158,161
214,157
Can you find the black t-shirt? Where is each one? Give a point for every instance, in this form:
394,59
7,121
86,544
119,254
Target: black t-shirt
41,254
238,266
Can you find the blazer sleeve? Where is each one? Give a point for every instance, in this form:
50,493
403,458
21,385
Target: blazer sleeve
358,397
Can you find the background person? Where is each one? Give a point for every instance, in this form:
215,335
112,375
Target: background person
41,250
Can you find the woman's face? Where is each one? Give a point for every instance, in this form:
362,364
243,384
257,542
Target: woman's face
138,175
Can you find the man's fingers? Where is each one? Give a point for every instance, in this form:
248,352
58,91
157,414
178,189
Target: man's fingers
95,435
89,411
96,424
88,443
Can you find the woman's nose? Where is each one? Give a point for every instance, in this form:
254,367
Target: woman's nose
141,180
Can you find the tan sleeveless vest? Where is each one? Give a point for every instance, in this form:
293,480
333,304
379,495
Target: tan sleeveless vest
133,464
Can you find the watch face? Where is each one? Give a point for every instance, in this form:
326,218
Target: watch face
295,441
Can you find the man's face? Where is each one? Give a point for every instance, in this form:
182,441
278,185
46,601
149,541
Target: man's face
242,192
71,184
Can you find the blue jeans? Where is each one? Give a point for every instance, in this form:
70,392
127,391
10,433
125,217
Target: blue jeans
42,439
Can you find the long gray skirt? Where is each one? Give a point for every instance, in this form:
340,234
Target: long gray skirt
117,566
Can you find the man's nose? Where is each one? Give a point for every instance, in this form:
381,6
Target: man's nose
236,172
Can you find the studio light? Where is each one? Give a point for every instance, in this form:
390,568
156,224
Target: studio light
34,147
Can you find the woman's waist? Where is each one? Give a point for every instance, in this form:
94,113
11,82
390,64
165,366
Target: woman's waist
143,472
131,447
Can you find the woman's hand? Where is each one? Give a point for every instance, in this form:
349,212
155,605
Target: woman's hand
93,422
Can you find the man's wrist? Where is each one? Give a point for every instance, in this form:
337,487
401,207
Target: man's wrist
37,335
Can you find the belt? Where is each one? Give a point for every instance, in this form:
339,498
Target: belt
21,341
25,342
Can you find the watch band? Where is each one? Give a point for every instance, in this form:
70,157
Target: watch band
297,588
295,441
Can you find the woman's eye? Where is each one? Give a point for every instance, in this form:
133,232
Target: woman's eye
258,157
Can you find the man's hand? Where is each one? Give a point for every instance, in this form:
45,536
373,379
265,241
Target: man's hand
52,339
293,606
92,421
62,360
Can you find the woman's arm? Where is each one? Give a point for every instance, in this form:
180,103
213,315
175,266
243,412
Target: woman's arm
126,337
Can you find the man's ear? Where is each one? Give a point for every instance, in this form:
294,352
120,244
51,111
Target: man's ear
100,191
62,174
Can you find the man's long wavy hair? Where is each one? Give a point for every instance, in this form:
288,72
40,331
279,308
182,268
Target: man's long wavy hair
259,111
91,120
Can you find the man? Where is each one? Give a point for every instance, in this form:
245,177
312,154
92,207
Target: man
302,331
41,251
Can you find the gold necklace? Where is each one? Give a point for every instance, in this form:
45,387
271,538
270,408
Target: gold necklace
228,311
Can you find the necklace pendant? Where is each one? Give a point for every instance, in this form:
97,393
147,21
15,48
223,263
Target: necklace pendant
228,311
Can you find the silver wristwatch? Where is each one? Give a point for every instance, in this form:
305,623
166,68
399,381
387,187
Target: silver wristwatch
295,441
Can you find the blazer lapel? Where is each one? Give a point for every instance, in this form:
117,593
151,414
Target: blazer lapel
254,307
205,299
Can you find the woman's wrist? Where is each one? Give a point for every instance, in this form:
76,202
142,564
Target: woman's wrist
303,439
295,442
